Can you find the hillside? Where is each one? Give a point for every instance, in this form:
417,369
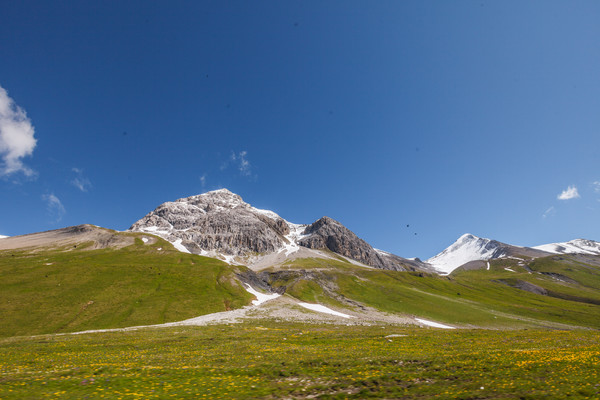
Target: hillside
67,284
89,278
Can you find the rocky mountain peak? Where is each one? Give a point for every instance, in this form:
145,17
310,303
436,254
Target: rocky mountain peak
220,224
327,233
216,200
324,223
216,223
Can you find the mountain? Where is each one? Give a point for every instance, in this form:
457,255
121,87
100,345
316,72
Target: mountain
217,222
329,233
577,246
220,224
3,237
470,248
93,237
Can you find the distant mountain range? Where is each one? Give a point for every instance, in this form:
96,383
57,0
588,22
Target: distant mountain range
220,224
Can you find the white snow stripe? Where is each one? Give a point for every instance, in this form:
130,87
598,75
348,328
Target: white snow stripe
323,309
434,324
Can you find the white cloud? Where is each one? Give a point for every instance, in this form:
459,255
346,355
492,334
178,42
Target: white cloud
55,208
244,166
242,162
549,212
203,180
568,194
80,182
16,137
596,186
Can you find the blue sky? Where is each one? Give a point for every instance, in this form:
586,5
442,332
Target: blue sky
410,122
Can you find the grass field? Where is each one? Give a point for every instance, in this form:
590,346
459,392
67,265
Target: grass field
67,290
480,298
58,290
275,360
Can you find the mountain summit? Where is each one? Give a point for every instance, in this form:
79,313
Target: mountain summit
472,248
220,224
216,222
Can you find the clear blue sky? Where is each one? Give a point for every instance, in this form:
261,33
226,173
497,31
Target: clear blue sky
448,116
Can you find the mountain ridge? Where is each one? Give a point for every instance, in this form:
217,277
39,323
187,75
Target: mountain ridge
575,246
220,224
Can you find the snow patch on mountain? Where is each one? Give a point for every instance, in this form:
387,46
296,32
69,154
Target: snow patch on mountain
3,237
467,248
177,244
266,213
295,235
260,297
322,309
577,246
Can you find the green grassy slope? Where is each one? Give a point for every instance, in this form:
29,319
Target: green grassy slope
468,298
66,290
53,290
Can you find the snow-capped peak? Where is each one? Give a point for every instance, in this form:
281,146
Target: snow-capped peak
578,246
467,248
468,237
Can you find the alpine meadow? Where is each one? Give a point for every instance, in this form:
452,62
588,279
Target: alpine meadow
299,200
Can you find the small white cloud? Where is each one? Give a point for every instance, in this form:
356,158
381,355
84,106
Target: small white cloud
16,137
240,161
203,180
596,186
55,208
80,182
549,212
244,164
568,194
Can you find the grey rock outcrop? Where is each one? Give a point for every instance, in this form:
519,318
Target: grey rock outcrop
216,221
327,233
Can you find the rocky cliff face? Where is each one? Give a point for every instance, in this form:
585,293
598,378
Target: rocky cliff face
330,234
216,221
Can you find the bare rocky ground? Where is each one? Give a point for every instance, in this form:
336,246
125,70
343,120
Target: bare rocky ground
72,236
